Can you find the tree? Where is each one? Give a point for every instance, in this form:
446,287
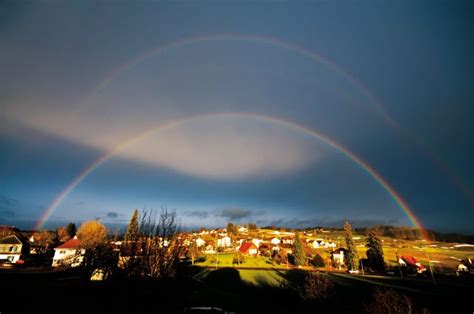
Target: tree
132,229
389,301
351,257
95,254
62,234
91,233
298,250
318,261
156,252
193,252
100,260
374,252
231,229
316,288
252,226
71,229
44,241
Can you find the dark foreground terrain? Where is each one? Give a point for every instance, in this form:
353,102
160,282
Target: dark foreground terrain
66,291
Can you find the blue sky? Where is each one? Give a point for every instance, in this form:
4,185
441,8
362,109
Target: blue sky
343,69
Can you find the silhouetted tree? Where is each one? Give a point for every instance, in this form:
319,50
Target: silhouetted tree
375,256
389,301
316,288
156,252
350,259
71,229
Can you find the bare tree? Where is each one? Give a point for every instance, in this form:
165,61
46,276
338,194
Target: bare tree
155,253
389,301
316,288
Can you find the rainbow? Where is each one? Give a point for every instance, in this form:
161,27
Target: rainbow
401,203
374,100
248,38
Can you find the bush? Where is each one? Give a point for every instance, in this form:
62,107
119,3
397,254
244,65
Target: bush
201,259
291,259
317,261
276,258
316,288
238,259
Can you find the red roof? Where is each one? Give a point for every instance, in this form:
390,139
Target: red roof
71,244
412,261
246,246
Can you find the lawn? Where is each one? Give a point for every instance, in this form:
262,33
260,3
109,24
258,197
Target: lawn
226,260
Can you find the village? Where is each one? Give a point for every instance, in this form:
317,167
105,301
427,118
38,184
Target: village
211,269
246,246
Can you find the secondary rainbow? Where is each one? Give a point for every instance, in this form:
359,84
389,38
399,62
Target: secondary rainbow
374,100
402,204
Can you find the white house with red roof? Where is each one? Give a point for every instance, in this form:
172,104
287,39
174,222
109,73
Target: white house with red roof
411,262
69,253
248,248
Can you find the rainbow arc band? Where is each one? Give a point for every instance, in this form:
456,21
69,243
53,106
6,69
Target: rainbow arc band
401,203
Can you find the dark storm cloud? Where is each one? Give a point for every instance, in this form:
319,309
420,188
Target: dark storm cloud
198,214
236,213
338,223
112,215
7,202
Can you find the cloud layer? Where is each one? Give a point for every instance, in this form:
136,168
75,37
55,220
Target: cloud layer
230,147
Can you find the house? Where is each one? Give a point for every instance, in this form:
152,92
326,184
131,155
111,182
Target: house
276,249
200,242
275,241
224,242
462,267
257,242
13,249
243,230
248,248
209,249
412,263
338,256
466,266
69,253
